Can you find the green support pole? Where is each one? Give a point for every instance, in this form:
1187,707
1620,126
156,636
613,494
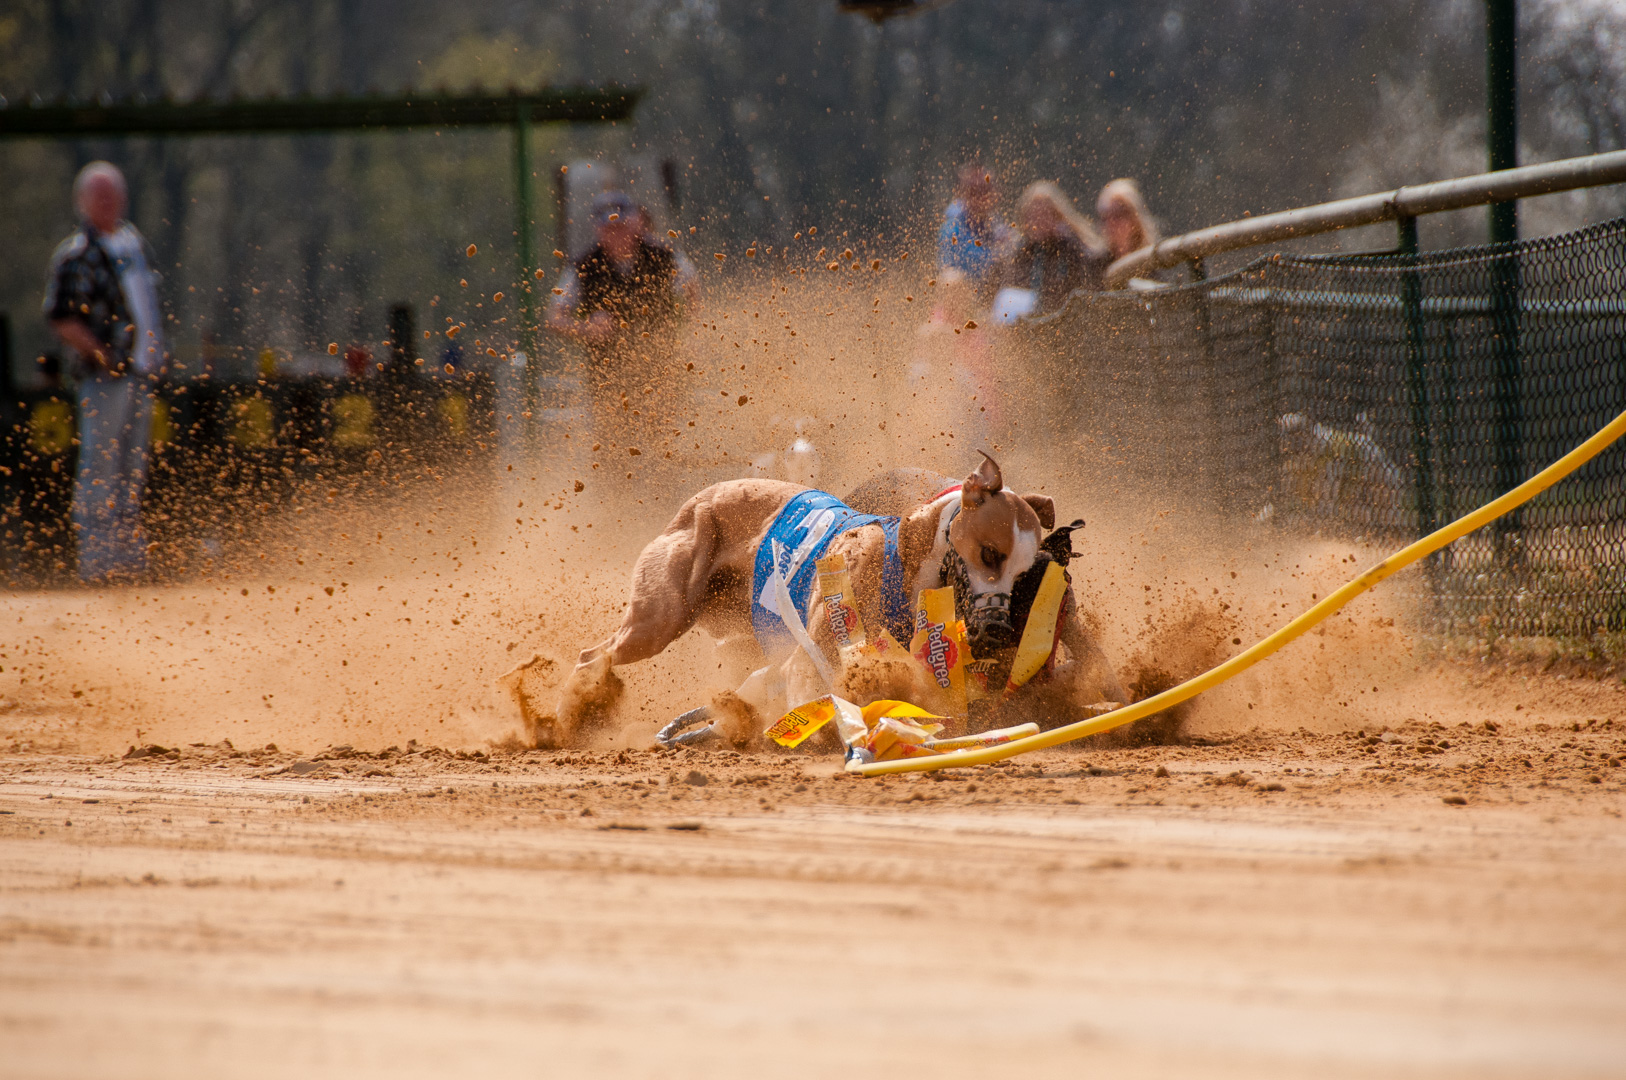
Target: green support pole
525,258
1501,108
1501,137
1407,235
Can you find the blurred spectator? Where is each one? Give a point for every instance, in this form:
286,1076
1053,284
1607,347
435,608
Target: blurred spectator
623,301
1060,250
1123,216
972,240
102,301
688,280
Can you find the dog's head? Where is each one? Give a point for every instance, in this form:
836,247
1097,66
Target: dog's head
996,536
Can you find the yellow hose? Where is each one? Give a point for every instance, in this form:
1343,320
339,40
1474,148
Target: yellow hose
1244,660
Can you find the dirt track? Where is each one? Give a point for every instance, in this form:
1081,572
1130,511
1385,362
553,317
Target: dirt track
1277,905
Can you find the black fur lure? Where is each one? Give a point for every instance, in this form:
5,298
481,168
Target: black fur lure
1055,548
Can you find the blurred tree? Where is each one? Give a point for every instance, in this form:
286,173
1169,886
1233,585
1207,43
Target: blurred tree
778,115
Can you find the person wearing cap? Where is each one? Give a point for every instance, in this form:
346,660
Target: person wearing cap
101,300
623,301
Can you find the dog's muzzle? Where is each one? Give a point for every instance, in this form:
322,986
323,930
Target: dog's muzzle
988,623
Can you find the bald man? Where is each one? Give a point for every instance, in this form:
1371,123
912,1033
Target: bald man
102,301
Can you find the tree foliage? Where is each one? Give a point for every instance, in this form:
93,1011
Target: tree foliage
777,116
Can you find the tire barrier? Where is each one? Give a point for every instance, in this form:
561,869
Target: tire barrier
228,456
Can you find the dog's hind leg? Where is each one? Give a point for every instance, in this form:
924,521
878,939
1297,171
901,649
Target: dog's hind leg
668,592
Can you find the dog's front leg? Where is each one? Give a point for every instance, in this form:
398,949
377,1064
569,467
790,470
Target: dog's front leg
1090,675
592,690
668,591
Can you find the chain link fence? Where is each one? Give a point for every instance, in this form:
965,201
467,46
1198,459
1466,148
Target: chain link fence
1381,396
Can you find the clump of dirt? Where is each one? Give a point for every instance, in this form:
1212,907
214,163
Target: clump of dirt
1181,644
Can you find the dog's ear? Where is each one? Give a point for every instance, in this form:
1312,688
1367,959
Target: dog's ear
982,483
1045,507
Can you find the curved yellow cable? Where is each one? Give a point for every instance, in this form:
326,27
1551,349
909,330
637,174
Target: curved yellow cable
1244,660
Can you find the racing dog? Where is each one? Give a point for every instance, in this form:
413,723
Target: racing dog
739,550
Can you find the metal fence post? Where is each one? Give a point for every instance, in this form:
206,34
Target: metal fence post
1501,138
1507,394
1411,299
8,377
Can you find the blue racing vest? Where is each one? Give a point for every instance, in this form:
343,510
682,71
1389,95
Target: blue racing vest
801,533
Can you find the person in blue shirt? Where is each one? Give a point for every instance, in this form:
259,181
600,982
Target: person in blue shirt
973,240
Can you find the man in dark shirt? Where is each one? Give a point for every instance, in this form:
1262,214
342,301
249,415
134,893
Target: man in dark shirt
624,300
102,302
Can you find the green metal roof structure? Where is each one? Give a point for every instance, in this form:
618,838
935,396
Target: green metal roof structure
105,117
75,119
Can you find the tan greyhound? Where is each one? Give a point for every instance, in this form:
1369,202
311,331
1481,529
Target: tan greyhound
739,545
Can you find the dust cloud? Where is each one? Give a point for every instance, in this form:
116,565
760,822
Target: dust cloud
374,621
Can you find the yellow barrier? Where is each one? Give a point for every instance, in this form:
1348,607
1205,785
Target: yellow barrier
1244,660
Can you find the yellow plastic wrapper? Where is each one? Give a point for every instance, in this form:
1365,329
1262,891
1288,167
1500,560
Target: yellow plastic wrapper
884,645
897,728
794,727
979,675
1039,635
908,750
840,608
939,643
901,710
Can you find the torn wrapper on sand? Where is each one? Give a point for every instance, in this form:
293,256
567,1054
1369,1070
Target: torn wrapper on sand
882,730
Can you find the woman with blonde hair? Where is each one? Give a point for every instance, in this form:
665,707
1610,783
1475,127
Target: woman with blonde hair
1122,213
1060,251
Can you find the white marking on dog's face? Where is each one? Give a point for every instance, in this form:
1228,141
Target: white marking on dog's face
998,539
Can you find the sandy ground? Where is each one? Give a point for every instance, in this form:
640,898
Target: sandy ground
1277,904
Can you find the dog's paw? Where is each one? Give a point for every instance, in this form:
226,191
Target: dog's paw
588,697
